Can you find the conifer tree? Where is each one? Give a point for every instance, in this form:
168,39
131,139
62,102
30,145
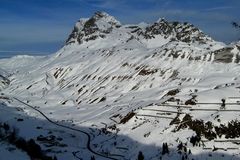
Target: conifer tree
140,156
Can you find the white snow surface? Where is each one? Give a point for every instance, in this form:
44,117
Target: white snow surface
92,86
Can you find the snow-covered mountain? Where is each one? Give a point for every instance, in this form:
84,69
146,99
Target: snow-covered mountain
131,88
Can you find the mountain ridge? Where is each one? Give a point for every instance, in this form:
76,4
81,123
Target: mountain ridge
86,29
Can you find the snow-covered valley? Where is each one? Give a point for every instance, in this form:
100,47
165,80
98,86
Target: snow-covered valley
114,90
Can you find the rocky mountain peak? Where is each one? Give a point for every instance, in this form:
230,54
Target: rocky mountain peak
101,25
184,32
103,16
161,27
92,28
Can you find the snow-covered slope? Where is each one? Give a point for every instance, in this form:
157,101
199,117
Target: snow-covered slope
132,88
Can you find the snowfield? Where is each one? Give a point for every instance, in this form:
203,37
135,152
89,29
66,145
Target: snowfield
114,90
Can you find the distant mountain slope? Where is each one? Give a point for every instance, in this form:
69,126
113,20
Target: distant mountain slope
136,87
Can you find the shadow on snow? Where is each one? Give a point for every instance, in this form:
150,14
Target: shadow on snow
70,144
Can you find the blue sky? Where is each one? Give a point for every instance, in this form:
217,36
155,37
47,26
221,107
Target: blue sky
41,26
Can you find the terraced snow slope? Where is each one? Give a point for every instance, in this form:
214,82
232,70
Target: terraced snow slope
131,88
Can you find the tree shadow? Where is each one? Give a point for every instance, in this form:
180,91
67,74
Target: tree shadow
72,144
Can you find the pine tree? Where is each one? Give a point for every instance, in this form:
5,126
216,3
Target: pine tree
180,146
140,156
183,157
185,149
92,158
223,104
189,152
165,149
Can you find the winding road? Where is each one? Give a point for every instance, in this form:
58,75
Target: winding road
70,128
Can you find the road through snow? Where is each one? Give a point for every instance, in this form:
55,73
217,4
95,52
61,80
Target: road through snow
70,128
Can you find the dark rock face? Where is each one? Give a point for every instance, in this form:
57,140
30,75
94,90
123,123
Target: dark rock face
184,32
160,28
189,33
208,130
4,82
224,55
